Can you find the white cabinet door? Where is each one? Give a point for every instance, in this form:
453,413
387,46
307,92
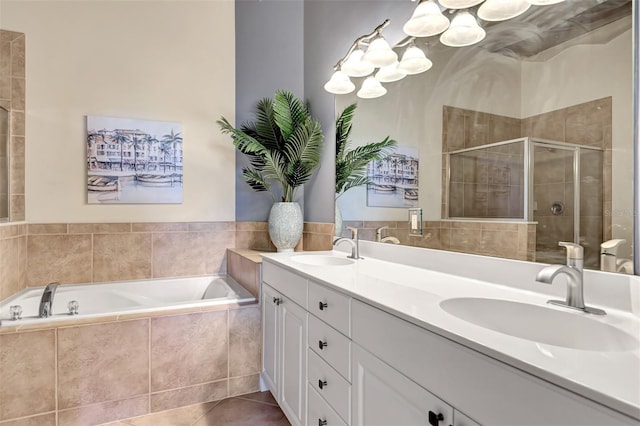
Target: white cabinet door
383,396
293,339
460,419
270,326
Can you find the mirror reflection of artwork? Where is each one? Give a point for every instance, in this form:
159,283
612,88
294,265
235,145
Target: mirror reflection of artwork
394,179
133,161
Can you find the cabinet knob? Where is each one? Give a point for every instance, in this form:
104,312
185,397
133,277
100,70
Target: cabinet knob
322,344
322,383
322,422
277,300
435,419
322,306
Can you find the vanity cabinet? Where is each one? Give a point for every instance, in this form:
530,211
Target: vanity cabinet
284,352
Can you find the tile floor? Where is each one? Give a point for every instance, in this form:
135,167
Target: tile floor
258,408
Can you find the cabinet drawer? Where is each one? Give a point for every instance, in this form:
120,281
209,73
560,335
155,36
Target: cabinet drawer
291,285
330,306
319,411
334,388
335,346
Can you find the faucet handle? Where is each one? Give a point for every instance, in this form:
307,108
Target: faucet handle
354,232
574,251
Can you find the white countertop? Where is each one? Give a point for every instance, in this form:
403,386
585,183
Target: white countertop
414,294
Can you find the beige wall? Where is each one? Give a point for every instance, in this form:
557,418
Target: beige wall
167,61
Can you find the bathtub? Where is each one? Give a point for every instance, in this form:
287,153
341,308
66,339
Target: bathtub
126,297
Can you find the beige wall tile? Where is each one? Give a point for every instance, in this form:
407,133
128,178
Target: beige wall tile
245,341
12,266
197,394
47,228
319,228
243,270
188,350
12,230
18,56
183,416
27,374
118,257
17,93
17,123
85,353
98,228
159,227
252,226
190,253
64,258
17,208
105,412
41,420
256,240
315,242
244,385
212,226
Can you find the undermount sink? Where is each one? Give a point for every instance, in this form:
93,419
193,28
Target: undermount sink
321,260
541,324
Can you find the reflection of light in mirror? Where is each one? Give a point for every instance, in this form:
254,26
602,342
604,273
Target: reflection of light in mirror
459,4
414,61
390,73
371,88
544,2
463,31
427,20
501,10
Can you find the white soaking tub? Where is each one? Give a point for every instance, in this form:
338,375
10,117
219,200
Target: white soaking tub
125,297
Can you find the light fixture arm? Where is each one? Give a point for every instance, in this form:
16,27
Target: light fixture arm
362,39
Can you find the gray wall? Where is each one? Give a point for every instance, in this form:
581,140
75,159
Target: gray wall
269,57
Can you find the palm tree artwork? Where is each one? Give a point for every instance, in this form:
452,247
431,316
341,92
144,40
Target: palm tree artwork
120,138
169,142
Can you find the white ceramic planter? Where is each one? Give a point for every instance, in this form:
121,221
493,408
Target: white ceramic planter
285,225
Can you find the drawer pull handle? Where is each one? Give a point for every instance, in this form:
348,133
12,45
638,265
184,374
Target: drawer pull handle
322,344
322,422
322,383
435,419
277,300
322,305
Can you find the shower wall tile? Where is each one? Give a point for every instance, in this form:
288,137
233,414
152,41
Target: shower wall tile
13,260
40,420
188,350
245,341
550,125
63,258
85,353
27,391
105,412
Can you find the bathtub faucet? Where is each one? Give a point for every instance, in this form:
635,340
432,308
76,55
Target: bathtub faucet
46,301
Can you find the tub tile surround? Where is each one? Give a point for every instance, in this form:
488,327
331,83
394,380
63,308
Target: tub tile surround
12,97
112,370
13,259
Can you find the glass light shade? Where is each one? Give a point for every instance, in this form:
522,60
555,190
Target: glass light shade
459,4
371,88
339,84
544,2
414,61
501,10
463,31
390,73
354,66
379,53
427,20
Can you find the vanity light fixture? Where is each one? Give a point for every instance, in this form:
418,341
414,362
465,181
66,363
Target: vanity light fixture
427,20
371,88
463,31
339,84
459,4
501,10
544,2
354,66
414,61
379,53
390,73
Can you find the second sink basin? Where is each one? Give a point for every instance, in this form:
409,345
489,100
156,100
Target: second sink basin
541,324
321,260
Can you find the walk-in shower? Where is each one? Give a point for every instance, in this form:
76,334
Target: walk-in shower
556,184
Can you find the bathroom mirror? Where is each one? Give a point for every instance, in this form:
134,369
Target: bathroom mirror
4,165
524,139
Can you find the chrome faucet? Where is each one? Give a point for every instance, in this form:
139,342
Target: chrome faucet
387,239
573,271
46,301
354,241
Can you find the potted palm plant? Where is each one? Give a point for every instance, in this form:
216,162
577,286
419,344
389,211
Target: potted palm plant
284,145
351,163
